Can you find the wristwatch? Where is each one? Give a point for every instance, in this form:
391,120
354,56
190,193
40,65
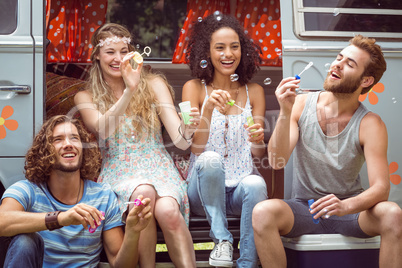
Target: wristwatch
51,220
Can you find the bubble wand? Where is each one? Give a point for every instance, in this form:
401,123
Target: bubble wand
303,91
232,102
136,202
92,230
250,120
138,57
305,68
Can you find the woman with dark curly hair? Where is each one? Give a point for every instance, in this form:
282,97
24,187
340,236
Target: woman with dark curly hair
222,178
60,196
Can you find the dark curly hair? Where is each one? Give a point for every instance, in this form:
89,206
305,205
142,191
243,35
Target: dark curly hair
199,47
41,158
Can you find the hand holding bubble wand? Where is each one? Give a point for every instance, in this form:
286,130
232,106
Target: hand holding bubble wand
317,221
310,202
250,120
232,103
136,202
303,91
137,56
92,230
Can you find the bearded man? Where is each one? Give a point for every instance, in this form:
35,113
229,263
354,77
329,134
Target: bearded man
331,135
60,217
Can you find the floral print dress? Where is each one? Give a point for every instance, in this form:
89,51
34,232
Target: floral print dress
129,161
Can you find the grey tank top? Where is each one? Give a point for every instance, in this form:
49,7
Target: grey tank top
327,164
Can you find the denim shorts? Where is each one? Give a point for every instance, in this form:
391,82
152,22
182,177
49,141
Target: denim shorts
303,222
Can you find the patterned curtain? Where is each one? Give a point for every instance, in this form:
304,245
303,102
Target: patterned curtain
260,19
70,25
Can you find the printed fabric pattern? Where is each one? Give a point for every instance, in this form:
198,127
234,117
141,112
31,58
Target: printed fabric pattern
130,160
238,164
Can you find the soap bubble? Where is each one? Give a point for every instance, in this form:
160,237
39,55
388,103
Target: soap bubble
234,77
327,67
203,64
394,100
203,81
222,55
336,12
304,46
218,15
267,81
199,19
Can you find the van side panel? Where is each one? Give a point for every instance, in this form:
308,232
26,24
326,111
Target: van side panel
21,55
297,53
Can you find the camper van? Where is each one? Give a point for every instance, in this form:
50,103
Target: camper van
311,31
44,48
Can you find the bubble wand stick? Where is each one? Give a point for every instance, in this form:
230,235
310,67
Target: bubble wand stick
232,102
136,202
305,68
138,57
302,91
250,120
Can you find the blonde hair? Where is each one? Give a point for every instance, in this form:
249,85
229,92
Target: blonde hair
143,107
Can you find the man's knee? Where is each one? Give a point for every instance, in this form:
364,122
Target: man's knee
28,243
26,250
393,219
271,213
383,218
263,214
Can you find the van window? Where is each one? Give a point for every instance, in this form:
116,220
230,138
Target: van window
8,16
154,23
335,18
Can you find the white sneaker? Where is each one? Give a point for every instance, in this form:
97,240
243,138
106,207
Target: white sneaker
222,255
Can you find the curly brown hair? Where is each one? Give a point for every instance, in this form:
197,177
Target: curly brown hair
199,47
41,158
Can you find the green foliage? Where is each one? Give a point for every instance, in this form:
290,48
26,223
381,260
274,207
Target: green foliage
153,23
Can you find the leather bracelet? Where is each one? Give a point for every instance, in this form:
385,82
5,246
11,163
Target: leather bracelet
51,221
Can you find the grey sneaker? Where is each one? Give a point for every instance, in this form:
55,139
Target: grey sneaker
222,255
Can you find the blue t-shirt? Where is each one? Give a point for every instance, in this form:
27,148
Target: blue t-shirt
69,246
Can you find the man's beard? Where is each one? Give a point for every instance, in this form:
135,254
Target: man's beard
64,168
346,86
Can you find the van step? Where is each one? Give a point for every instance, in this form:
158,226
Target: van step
163,264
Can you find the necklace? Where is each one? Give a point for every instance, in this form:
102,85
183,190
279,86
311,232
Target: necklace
79,191
237,89
78,196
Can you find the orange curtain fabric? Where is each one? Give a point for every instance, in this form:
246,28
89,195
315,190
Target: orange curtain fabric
70,25
261,21
196,10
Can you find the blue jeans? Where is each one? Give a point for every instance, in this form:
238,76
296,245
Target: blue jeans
25,250
209,197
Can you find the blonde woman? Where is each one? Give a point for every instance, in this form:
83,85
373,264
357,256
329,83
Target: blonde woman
125,107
